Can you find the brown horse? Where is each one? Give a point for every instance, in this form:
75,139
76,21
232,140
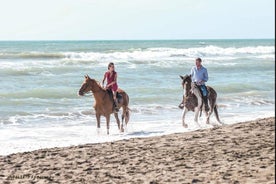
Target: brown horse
192,100
104,102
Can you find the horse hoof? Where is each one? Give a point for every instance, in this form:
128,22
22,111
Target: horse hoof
185,125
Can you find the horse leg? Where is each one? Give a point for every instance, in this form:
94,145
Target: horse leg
107,123
200,104
208,115
184,112
197,109
98,117
117,120
122,125
123,118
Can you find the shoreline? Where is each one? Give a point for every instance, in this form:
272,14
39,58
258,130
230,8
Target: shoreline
137,130
237,153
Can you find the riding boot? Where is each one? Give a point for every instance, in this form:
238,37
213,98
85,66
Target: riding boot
205,101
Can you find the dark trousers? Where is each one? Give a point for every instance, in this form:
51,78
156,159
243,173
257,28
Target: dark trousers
203,90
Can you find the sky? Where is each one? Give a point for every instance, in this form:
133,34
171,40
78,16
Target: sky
136,19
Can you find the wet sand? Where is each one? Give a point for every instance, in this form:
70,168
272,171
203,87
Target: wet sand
238,153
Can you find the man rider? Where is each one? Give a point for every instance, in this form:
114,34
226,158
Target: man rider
199,76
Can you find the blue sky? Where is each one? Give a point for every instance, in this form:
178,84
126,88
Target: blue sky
136,19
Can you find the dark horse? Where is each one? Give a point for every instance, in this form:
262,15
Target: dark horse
192,100
104,102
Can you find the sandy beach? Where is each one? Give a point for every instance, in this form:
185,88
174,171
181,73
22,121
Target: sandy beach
238,153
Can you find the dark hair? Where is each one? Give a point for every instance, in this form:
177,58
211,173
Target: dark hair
109,65
198,59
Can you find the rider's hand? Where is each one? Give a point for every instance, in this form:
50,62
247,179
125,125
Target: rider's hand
199,82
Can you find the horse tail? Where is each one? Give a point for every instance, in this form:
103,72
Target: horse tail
216,113
127,110
127,115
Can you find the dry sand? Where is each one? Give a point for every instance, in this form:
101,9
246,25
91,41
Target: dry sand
239,153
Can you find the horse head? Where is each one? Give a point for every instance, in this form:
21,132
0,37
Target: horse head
85,87
89,85
186,80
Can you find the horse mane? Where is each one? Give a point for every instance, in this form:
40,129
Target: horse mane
98,83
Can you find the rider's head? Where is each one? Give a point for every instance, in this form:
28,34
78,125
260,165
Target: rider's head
111,66
198,62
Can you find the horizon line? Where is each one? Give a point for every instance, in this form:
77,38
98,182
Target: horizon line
182,39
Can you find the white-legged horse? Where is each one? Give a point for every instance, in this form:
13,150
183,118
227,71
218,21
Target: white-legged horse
192,101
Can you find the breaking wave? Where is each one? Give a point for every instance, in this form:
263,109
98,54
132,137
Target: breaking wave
149,53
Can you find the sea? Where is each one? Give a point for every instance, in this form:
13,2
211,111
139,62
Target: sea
40,80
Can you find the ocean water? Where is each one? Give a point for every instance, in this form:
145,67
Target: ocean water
39,105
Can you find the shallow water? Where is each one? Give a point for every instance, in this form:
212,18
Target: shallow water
40,80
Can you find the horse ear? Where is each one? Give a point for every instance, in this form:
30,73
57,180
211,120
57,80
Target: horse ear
190,75
181,77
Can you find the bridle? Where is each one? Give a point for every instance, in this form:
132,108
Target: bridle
85,86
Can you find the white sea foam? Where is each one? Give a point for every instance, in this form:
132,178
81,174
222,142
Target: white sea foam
157,53
163,57
17,138
150,53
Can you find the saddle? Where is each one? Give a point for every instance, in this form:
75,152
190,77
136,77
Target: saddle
119,96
